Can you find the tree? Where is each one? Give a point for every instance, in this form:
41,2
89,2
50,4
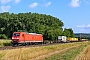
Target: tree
49,26
68,32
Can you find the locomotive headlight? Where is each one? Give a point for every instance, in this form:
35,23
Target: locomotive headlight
12,38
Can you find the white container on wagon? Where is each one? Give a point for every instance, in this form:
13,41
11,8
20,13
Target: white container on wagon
62,38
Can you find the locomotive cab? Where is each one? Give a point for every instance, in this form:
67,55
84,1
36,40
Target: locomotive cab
16,37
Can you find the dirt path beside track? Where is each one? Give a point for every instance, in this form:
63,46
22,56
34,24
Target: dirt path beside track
85,55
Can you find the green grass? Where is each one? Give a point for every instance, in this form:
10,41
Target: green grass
67,55
1,55
5,43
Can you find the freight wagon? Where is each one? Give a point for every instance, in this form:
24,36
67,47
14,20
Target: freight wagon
62,38
84,39
26,38
72,39
67,39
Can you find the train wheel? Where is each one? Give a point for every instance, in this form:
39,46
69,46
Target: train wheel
28,43
13,44
24,44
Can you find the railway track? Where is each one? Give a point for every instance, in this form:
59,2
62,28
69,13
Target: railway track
16,47
39,45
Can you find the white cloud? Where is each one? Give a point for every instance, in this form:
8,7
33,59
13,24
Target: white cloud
82,30
48,3
84,26
4,8
86,1
88,26
16,1
5,1
81,26
33,5
74,3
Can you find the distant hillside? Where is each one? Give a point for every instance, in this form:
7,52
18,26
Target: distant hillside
83,35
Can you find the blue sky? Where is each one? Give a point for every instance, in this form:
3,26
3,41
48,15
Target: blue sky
74,13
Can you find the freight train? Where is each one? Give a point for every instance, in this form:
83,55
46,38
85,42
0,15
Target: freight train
24,38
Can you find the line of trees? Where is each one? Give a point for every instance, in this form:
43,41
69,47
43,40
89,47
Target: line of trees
49,26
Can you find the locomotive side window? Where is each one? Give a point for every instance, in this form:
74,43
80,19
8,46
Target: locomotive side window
16,34
22,34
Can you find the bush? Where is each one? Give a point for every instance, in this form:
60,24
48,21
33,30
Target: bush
5,43
3,36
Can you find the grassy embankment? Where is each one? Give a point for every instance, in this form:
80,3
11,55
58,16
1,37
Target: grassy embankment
31,53
67,55
5,43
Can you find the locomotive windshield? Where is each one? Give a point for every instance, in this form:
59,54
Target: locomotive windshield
16,34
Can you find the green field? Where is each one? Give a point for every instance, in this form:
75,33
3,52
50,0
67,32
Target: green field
67,55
